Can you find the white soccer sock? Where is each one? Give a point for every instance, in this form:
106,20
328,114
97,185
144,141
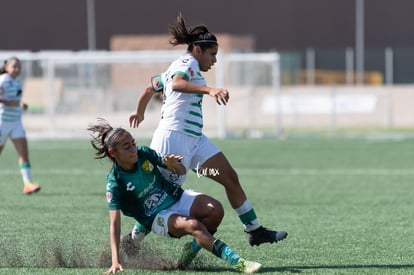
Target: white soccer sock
26,172
247,216
137,235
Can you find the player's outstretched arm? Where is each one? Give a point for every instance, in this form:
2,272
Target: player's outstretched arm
138,116
115,235
10,103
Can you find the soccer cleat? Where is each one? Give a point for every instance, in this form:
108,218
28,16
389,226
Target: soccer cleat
30,188
245,266
187,256
263,235
129,245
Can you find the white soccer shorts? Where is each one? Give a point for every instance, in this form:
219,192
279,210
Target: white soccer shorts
181,207
13,130
195,150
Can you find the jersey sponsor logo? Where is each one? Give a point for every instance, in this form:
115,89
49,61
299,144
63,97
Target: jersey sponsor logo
148,188
153,202
108,197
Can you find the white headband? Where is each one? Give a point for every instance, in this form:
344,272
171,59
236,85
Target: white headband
205,41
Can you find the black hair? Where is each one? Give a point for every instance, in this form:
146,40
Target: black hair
104,137
7,61
194,36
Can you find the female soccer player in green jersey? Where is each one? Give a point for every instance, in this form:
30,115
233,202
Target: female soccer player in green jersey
180,128
11,126
136,187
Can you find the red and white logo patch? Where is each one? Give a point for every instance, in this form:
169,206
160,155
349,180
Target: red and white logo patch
108,196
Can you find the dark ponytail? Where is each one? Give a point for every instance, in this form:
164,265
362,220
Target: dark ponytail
104,137
3,68
197,35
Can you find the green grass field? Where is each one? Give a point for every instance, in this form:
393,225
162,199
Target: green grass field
346,203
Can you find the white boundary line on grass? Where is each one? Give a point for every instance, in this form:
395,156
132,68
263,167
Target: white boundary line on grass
330,171
244,171
55,172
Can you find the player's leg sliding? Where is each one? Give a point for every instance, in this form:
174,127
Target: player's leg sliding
220,250
257,234
227,254
190,251
245,266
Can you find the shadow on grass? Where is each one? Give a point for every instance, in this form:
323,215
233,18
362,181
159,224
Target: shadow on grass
299,269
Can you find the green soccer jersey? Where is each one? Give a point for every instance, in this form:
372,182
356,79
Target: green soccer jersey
142,193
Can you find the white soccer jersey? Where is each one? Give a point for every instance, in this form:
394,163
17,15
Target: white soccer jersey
10,89
183,111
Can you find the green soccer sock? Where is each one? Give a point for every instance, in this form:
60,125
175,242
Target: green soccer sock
224,252
195,246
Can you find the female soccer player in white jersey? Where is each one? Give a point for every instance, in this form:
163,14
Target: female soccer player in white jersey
136,187
180,128
11,125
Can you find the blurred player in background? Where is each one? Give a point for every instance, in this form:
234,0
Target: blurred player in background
136,187
180,129
11,126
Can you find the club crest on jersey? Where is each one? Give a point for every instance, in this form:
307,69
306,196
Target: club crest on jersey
191,72
156,83
147,166
160,222
108,197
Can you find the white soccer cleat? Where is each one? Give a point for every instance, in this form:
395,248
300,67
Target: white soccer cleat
245,266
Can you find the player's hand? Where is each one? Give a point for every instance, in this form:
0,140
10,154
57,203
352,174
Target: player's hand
174,164
24,106
135,119
221,95
172,159
114,268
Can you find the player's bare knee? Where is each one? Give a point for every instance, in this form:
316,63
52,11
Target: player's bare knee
193,225
215,212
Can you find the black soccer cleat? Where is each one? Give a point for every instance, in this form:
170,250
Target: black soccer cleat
263,235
